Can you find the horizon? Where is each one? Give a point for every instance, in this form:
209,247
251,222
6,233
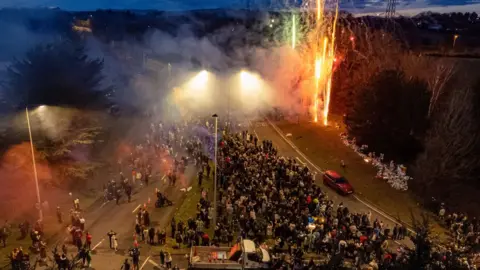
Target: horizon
359,8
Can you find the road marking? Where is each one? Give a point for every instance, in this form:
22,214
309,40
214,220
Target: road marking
94,247
321,171
154,263
136,208
145,262
300,161
103,204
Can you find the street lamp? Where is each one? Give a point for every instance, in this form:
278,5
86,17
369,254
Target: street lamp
40,213
215,173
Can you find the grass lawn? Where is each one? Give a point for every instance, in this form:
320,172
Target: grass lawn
323,146
187,208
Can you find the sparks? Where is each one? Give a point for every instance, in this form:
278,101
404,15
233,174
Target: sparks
323,38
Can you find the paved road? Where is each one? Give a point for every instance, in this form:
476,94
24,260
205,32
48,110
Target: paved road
121,219
266,131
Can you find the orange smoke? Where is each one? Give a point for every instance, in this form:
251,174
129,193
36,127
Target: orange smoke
17,181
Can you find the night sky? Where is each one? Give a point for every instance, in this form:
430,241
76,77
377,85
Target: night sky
408,7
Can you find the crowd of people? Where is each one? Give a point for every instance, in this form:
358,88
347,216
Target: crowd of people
274,200
264,197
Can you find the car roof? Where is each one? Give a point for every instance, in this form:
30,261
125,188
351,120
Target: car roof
333,174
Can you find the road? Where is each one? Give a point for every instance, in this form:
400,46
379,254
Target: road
121,219
267,131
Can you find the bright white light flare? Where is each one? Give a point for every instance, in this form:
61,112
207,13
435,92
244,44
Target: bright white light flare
250,82
198,84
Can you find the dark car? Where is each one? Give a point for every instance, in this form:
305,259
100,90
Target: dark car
337,182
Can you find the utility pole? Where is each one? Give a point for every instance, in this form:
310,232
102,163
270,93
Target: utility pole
39,203
215,173
391,7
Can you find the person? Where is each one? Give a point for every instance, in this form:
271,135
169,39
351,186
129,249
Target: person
128,191
151,236
200,178
146,218
89,258
135,253
59,215
4,235
168,260
162,258
88,240
125,265
117,196
110,234
76,204
115,242
173,225
82,254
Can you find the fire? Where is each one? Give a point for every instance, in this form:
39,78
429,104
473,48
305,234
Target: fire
322,44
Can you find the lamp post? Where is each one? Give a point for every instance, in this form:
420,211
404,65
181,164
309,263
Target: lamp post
40,213
215,173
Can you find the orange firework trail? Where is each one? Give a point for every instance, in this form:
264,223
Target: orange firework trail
324,52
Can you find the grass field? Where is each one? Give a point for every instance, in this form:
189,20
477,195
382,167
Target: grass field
323,146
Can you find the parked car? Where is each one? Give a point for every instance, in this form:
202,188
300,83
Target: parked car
337,182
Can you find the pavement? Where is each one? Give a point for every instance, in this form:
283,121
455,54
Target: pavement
121,218
266,130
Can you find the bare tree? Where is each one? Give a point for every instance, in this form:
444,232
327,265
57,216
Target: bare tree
436,72
447,166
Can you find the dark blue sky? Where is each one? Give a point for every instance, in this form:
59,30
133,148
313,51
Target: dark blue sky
357,6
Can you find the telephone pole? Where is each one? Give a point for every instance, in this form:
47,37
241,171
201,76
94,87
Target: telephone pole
391,6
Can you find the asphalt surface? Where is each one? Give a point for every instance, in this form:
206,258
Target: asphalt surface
121,219
267,131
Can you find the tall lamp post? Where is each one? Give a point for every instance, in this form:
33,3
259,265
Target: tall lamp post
39,204
215,173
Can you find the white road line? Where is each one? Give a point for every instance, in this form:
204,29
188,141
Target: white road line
145,262
103,204
385,215
94,247
136,208
299,160
154,263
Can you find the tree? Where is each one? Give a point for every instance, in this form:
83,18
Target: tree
68,85
57,74
390,115
448,168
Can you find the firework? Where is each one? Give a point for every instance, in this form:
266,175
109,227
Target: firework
321,46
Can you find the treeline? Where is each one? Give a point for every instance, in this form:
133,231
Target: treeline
67,99
417,110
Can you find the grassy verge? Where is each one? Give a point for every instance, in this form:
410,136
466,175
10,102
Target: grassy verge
323,146
187,208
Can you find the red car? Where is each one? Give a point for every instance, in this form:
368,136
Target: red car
337,182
